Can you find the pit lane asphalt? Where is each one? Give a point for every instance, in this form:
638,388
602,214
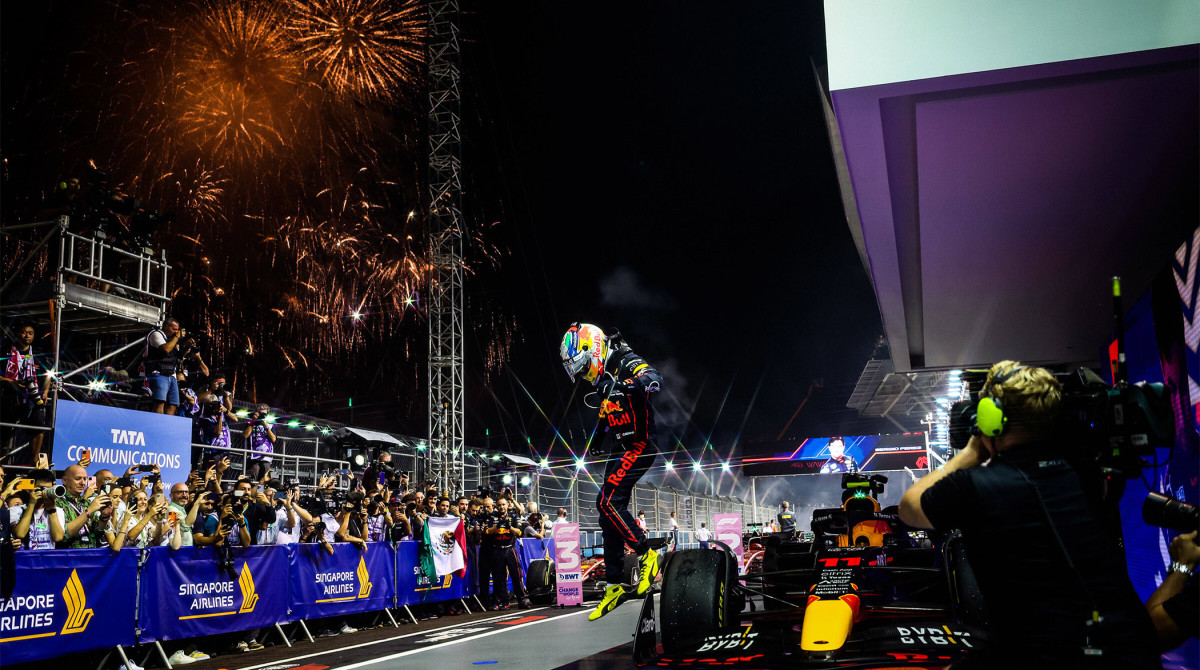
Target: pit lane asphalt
535,639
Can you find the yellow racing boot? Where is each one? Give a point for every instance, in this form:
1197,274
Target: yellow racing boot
614,595
648,567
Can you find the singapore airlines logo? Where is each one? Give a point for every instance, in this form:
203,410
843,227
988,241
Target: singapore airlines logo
246,584
78,615
364,579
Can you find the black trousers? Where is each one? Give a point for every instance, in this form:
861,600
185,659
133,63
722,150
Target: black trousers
616,523
505,564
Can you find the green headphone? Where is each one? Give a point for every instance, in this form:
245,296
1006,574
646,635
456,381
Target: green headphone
989,413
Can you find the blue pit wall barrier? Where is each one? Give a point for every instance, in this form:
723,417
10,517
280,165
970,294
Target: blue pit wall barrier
70,601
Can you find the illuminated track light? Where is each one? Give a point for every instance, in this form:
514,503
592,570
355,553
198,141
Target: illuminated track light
507,479
526,480
725,466
294,423
669,466
697,467
545,463
96,385
580,464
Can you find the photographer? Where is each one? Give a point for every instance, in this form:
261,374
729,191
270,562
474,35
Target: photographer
190,362
260,439
1173,604
314,533
160,362
82,530
381,474
1054,586
22,400
353,521
33,528
233,531
398,528
216,408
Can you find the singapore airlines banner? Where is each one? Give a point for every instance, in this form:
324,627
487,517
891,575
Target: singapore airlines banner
68,601
345,582
188,593
118,438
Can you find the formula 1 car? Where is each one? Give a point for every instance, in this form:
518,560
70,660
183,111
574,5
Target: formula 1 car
861,594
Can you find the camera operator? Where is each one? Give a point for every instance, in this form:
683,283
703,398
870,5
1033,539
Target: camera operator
1054,586
190,362
353,521
260,439
1173,604
160,362
33,528
315,528
381,474
22,400
216,410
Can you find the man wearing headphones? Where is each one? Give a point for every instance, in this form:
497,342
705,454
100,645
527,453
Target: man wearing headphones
1054,586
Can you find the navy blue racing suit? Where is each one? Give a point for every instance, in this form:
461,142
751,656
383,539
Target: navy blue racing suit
627,415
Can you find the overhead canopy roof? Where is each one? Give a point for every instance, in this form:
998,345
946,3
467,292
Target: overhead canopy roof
369,436
1003,161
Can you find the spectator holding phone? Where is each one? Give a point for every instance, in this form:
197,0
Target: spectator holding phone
180,518
142,526
261,440
33,528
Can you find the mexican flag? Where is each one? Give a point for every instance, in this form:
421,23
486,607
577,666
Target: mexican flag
444,548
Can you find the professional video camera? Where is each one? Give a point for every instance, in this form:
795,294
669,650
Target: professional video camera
1167,512
101,208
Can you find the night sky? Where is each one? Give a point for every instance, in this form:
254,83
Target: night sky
667,171
664,170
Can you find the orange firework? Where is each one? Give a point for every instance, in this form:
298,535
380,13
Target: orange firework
366,48
239,87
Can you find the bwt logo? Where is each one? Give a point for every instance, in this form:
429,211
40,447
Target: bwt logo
130,437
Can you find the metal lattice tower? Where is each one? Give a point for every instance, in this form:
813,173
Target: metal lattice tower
445,230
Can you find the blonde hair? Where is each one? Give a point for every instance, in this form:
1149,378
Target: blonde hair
1030,395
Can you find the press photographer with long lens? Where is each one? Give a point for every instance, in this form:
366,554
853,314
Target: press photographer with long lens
1173,605
160,361
261,440
1053,583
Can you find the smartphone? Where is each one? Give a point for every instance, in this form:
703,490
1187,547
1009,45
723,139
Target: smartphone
91,482
25,485
84,454
172,517
146,467
344,473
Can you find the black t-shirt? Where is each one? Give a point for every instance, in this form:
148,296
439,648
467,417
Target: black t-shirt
787,521
1036,603
1182,606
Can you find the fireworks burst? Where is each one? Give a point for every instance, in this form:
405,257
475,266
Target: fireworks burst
365,48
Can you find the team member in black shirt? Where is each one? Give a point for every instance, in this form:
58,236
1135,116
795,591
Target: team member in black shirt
1044,562
504,527
787,520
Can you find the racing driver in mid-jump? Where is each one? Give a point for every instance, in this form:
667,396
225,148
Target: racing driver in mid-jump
623,383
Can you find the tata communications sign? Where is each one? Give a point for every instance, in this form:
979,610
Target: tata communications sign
118,438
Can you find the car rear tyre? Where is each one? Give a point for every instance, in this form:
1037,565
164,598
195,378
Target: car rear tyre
539,582
694,596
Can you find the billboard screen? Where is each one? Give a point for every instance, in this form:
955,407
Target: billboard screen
835,455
